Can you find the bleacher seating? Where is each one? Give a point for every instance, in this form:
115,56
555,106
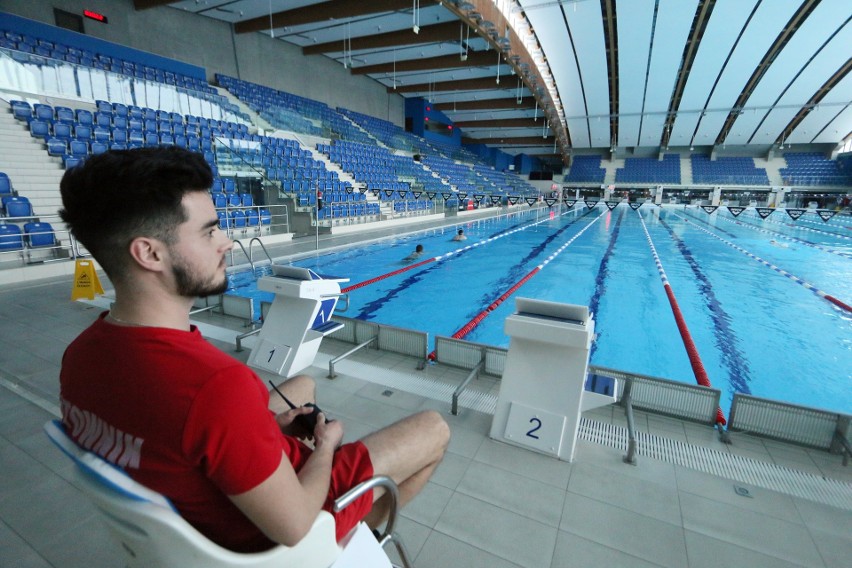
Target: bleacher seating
650,170
813,168
586,169
727,170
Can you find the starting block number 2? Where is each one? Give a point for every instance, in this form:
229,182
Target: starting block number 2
538,429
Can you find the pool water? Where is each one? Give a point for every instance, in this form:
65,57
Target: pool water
757,331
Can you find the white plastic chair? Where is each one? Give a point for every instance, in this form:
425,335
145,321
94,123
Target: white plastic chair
151,533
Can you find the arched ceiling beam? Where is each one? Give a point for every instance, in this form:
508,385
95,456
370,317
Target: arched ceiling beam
146,4
611,41
483,84
487,104
815,100
690,50
785,36
509,141
474,59
501,123
438,32
324,11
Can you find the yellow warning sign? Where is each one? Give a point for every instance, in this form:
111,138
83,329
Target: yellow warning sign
86,282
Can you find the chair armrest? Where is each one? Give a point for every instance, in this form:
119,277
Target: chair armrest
378,481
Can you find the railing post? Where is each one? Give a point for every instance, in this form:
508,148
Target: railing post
630,458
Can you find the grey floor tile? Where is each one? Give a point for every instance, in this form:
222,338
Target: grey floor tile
451,470
749,529
626,491
16,552
707,552
637,535
524,462
442,551
835,550
825,518
85,544
527,497
427,507
574,551
722,490
502,533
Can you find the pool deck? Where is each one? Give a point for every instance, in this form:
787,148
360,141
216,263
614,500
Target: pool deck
489,505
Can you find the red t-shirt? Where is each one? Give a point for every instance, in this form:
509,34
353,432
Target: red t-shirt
181,417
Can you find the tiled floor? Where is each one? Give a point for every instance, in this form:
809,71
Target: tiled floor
489,505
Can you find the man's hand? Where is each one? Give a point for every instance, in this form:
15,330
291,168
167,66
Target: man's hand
327,434
289,425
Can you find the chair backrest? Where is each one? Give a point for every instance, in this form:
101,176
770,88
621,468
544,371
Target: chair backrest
17,206
11,237
5,185
40,234
151,533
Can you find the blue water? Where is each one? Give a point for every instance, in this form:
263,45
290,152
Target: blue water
756,330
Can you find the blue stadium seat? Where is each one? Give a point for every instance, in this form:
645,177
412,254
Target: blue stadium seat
84,117
17,206
71,161
219,200
22,110
65,114
246,200
39,234
62,131
102,134
119,136
99,147
5,185
40,129
265,217
57,146
252,218
43,112
83,132
11,237
238,219
79,148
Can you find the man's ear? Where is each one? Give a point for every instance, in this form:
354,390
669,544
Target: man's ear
148,253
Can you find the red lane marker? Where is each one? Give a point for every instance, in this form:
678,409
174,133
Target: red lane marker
388,275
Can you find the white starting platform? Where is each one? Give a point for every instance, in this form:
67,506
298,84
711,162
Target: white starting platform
544,386
300,316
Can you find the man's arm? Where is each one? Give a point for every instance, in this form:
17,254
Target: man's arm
285,505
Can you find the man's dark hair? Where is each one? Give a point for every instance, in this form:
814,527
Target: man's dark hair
115,197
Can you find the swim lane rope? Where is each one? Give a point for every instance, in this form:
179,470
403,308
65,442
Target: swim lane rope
469,326
840,304
442,256
691,350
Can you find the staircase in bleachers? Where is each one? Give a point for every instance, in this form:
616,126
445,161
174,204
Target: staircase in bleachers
814,169
727,170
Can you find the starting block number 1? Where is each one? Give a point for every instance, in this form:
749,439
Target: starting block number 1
535,428
269,356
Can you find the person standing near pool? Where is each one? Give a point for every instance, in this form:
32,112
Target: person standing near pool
143,389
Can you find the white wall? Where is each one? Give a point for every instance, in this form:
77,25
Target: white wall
211,44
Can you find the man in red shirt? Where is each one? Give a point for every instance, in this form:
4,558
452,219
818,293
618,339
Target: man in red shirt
144,390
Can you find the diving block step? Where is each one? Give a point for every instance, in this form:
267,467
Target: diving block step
598,391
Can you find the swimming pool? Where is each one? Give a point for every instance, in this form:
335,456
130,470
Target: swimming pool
756,329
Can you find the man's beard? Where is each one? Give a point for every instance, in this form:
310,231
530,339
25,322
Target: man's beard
190,285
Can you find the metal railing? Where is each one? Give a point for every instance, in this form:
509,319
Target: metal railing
791,423
389,338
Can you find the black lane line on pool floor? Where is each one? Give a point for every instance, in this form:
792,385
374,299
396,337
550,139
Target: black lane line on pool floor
371,308
521,268
726,339
600,283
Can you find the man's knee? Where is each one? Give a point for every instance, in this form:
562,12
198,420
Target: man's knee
436,428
